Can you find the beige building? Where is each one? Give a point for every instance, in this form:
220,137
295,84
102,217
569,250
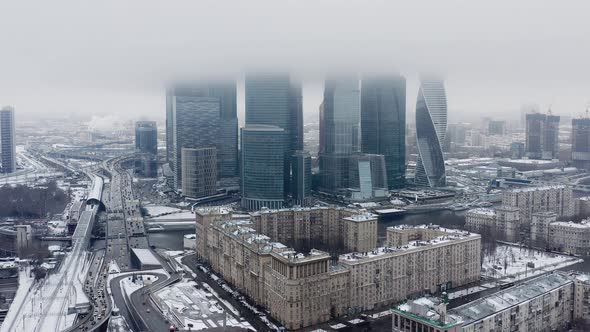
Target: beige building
582,206
305,289
503,222
547,303
540,228
570,237
319,227
556,198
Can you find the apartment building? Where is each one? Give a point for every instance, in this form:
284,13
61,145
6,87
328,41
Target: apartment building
547,303
503,222
570,237
305,289
555,198
539,234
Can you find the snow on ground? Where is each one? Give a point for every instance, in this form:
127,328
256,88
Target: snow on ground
118,324
25,282
198,306
130,286
157,210
517,263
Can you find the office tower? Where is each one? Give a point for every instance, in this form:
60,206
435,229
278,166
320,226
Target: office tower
367,176
383,124
146,137
496,127
340,136
301,178
542,133
517,150
431,127
263,166
273,100
296,113
7,141
581,143
199,172
208,119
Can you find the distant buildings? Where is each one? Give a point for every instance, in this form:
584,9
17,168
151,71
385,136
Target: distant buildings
542,133
199,172
517,150
581,143
264,166
367,176
7,140
496,127
383,124
431,127
146,148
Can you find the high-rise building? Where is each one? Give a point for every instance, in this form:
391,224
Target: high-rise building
196,125
301,178
383,124
263,166
581,143
212,129
542,134
273,100
340,132
367,175
496,127
431,127
199,172
146,137
7,141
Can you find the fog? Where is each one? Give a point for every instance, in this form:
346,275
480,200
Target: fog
104,58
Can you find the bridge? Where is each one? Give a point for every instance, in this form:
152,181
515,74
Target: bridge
48,305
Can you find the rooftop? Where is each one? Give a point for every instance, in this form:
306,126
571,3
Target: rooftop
529,189
584,224
428,309
489,305
362,217
483,211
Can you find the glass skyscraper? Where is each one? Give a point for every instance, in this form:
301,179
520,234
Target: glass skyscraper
301,178
146,137
217,127
263,166
7,142
339,133
431,127
383,124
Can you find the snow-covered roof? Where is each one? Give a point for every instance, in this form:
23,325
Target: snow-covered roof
145,256
483,211
585,224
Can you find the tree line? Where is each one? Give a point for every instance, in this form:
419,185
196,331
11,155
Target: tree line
26,202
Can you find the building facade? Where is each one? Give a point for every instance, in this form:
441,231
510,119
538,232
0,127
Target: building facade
556,198
501,223
301,290
301,178
264,166
581,143
7,140
367,176
339,133
547,303
542,134
199,172
383,124
431,127
146,148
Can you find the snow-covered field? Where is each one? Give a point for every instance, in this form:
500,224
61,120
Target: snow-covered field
199,307
157,210
517,263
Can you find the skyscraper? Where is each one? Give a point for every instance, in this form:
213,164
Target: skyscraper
273,100
431,127
146,137
301,178
581,143
146,148
7,141
202,124
542,134
367,172
199,172
340,132
263,166
383,124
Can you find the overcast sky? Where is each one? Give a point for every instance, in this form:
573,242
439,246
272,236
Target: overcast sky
113,57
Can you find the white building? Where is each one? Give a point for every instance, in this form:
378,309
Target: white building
570,237
502,223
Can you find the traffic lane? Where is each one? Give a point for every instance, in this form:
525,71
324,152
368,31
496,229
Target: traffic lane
150,315
120,302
